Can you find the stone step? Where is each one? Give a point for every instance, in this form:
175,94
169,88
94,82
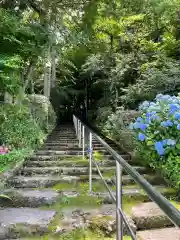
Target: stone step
159,234
29,197
74,139
55,158
69,163
53,138
69,156
59,148
73,170
24,222
64,144
101,219
148,216
71,147
136,193
36,181
40,181
126,180
61,141
69,152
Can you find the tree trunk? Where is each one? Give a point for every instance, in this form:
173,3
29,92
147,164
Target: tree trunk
28,76
53,65
47,75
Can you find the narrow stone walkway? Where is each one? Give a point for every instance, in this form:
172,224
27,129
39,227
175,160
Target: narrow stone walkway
50,195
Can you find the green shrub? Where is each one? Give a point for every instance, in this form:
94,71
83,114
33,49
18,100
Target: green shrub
158,131
161,75
116,127
13,157
18,129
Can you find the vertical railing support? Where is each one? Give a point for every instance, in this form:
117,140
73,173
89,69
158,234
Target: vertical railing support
83,141
119,220
80,132
76,122
90,162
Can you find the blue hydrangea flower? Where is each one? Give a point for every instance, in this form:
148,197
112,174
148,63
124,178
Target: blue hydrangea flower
139,119
148,120
141,137
159,96
173,106
143,126
177,116
146,104
176,122
167,123
155,117
171,142
160,148
138,125
172,109
152,104
148,114
164,142
153,112
178,127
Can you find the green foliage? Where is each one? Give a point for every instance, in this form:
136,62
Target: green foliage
21,41
115,126
18,128
161,75
41,111
13,157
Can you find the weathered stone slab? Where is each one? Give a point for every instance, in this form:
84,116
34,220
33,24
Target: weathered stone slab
159,234
40,181
136,193
52,163
18,222
64,170
29,197
73,170
149,215
103,218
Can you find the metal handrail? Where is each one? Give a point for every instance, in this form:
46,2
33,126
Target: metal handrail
171,212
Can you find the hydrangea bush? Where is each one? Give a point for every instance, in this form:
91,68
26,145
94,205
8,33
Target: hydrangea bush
158,135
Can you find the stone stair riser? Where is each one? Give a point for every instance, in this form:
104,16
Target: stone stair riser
73,171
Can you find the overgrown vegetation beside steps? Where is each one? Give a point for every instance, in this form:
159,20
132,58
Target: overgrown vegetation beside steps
21,131
9,160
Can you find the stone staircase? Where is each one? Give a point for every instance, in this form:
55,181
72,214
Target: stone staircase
50,195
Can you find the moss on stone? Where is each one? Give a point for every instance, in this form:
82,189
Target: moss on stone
65,186
100,222
75,159
77,235
109,173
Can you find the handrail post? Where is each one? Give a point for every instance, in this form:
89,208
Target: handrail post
83,141
119,220
80,125
76,122
90,162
